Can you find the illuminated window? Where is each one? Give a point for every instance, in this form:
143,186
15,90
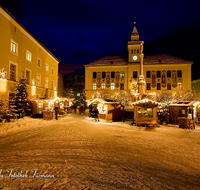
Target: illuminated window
94,75
158,74
169,74
135,75
94,86
148,86
78,94
179,86
13,71
121,86
168,86
38,80
121,74
179,72
28,56
14,47
52,84
46,82
52,71
148,73
103,86
38,62
112,86
112,74
103,75
28,74
46,67
158,86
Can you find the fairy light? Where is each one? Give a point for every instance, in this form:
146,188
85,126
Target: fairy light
3,81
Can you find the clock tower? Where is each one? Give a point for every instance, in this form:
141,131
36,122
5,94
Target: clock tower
135,47
135,55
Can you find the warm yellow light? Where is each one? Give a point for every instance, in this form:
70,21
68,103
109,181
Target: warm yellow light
3,85
33,90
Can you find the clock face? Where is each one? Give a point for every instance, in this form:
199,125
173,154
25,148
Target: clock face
134,57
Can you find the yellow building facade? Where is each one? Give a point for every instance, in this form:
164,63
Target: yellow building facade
23,56
157,73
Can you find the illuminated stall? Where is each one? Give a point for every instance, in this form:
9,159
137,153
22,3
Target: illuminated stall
108,110
39,106
181,110
64,102
145,112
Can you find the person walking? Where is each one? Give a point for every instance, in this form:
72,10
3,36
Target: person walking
96,114
80,109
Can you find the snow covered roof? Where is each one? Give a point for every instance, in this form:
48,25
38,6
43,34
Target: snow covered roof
185,103
45,99
148,60
103,101
146,101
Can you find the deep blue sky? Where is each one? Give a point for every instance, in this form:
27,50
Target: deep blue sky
81,31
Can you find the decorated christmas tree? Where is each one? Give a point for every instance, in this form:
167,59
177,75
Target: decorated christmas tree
20,98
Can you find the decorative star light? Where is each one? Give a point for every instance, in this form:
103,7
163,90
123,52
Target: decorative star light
3,74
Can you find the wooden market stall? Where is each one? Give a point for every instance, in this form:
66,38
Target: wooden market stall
109,110
44,106
184,113
145,112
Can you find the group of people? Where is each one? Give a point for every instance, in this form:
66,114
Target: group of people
93,112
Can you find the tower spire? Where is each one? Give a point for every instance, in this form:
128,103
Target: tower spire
135,32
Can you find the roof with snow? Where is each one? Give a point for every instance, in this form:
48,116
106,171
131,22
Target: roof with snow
148,60
146,102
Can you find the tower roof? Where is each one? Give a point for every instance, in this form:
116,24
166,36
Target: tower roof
135,32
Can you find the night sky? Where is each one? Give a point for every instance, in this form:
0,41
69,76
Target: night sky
82,31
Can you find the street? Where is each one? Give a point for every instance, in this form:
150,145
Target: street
75,152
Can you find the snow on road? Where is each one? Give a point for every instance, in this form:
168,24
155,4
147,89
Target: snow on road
75,152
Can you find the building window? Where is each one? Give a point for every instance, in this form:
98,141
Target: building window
103,86
78,94
28,74
14,47
148,86
103,75
179,73
148,73
52,84
52,71
179,86
112,86
158,86
94,75
38,80
46,67
168,86
28,56
122,86
121,74
137,50
13,71
112,74
46,82
169,74
134,50
38,62
158,73
94,86
135,74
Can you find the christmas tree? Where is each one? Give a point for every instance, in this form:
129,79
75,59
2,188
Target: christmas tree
20,98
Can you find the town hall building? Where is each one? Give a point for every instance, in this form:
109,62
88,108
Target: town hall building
137,74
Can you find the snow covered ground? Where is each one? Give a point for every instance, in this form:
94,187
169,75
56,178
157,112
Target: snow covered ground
75,152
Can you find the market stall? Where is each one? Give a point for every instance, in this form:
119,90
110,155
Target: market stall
183,109
145,112
41,105
108,110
